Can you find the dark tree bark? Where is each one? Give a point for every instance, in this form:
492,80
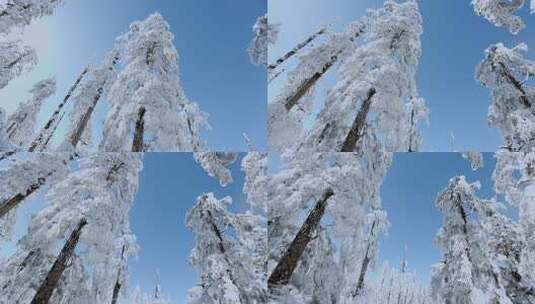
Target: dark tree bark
283,271
365,264
137,145
118,284
39,141
296,49
356,131
516,84
45,291
13,202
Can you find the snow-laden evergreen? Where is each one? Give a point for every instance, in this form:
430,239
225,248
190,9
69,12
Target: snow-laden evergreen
230,248
501,13
149,110
21,125
376,91
20,13
505,72
265,34
15,59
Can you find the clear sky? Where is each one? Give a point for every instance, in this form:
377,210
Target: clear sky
453,44
211,37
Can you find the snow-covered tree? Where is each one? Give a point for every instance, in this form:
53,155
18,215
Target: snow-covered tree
23,179
20,13
265,33
15,59
376,82
340,187
292,105
21,125
467,273
501,13
93,203
217,164
505,72
149,110
226,270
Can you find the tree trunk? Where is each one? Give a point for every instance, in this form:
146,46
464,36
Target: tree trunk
356,131
118,284
82,124
137,145
309,83
45,291
296,49
287,264
412,130
365,264
12,202
517,84
52,121
7,154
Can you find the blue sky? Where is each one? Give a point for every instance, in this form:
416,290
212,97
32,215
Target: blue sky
453,44
211,37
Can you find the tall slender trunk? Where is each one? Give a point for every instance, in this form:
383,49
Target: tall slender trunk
283,271
137,145
412,131
55,116
118,284
356,131
82,124
13,202
517,84
45,291
84,121
221,247
296,49
365,263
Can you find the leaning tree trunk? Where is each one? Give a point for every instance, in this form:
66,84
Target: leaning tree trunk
221,247
118,284
137,145
84,121
287,264
13,202
356,131
296,49
48,286
307,84
39,141
517,84
364,266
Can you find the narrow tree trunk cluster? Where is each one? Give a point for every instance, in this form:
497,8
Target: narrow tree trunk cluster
45,291
296,49
39,141
283,271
